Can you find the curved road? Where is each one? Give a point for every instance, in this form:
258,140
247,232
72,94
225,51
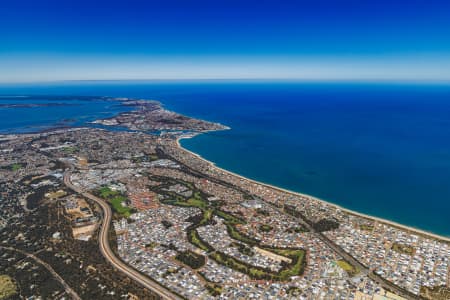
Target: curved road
109,254
387,285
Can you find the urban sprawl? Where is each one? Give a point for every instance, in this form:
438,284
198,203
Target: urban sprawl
186,228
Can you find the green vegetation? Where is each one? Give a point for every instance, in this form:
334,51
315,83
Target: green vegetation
7,287
292,210
57,194
195,240
293,291
235,234
366,227
196,202
166,224
214,289
265,228
262,212
298,229
231,262
206,217
325,225
248,197
16,167
119,207
295,268
298,264
208,211
243,249
153,157
435,293
106,192
229,218
116,199
137,159
347,267
403,249
145,158
193,260
171,271
69,150
151,245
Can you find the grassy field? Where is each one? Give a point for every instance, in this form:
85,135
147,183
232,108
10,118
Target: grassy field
347,267
366,227
7,287
196,202
16,167
69,150
116,199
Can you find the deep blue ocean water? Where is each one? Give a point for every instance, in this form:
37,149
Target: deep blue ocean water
381,149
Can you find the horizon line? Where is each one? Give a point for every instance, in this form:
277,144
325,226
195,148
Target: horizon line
256,79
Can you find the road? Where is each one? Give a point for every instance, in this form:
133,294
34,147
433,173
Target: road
381,281
387,285
67,288
109,254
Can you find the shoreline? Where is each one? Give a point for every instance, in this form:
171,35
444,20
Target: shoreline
349,211
294,193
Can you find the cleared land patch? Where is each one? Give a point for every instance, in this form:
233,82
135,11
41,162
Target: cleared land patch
347,267
7,287
403,249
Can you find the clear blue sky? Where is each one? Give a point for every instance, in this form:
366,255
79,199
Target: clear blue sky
312,39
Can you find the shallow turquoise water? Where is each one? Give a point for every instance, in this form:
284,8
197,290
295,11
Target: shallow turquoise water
375,148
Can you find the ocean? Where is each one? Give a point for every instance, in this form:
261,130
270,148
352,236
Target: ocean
380,149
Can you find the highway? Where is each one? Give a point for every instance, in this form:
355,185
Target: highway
385,284
109,254
104,245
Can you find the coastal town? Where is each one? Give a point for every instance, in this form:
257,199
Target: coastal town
182,228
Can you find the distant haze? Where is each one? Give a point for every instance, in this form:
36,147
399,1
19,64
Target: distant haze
309,40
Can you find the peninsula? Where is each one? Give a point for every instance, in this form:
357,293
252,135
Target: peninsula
114,214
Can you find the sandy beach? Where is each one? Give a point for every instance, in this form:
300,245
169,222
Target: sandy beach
380,220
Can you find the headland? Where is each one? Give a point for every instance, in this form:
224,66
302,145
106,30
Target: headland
184,227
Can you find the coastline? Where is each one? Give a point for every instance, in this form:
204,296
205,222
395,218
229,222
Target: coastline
122,102
349,211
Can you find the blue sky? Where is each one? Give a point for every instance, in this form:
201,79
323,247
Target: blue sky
312,40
